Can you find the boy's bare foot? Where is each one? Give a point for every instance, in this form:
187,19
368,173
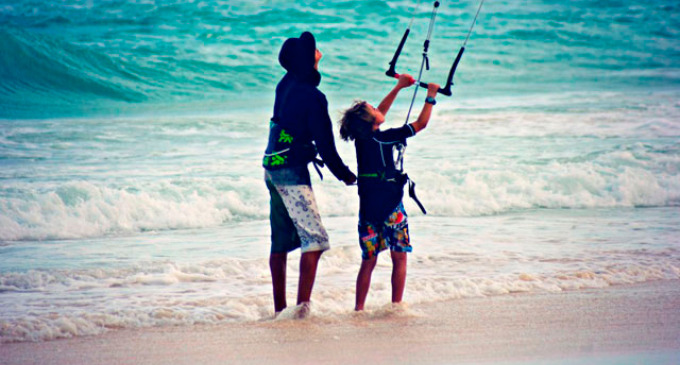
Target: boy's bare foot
303,310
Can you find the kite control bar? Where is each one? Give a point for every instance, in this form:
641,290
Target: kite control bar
449,80
445,91
391,72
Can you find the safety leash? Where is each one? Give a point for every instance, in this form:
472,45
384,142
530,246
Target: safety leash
425,61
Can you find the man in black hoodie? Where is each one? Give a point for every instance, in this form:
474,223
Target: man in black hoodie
299,129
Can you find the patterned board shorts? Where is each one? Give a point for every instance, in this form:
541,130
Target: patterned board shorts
394,233
295,219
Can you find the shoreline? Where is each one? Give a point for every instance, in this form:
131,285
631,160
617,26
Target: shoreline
637,321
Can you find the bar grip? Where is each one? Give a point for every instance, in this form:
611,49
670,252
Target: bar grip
449,79
393,63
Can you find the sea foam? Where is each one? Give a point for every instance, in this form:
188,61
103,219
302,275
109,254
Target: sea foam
68,303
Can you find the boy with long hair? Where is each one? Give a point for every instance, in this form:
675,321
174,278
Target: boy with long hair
382,219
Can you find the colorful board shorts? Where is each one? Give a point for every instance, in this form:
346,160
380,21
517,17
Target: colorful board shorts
295,219
394,233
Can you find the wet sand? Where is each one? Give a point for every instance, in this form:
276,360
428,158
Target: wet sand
616,325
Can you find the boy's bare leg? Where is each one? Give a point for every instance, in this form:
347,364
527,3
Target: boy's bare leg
277,266
398,275
309,261
364,282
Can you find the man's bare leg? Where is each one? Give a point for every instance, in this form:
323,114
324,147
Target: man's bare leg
309,261
277,265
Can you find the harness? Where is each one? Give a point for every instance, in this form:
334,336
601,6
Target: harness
284,150
390,174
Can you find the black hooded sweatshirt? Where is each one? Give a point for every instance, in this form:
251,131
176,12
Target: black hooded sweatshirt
302,110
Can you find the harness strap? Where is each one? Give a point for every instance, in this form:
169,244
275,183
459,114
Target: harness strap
412,195
318,164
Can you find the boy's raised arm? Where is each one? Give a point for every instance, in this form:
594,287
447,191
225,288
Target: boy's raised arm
424,116
405,80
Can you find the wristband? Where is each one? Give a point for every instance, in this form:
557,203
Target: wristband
430,100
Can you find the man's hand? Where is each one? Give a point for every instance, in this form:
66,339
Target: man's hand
350,179
405,80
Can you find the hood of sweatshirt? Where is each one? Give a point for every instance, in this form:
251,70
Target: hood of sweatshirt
297,56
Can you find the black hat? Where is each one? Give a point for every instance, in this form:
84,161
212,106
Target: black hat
297,55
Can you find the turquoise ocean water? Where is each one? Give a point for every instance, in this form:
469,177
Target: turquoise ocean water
131,133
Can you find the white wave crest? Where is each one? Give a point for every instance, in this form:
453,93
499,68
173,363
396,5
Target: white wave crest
85,209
